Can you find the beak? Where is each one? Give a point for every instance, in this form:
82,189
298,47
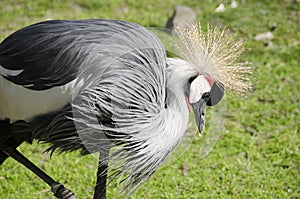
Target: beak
199,109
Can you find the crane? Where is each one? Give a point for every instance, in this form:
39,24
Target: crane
107,86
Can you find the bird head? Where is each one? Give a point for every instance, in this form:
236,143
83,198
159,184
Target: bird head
203,92
214,65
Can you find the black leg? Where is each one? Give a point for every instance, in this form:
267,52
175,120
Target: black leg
3,156
4,132
100,187
58,189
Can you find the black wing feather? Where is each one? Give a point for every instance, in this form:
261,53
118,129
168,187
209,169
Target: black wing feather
50,52
45,53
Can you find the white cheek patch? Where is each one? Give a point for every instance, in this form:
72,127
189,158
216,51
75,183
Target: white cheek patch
198,86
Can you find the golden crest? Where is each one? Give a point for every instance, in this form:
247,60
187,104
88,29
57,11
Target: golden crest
215,53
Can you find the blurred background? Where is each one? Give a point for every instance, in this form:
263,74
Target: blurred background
258,152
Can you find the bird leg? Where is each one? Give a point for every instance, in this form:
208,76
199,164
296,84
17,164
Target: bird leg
58,189
4,128
100,187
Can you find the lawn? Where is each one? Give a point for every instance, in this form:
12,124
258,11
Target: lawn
258,152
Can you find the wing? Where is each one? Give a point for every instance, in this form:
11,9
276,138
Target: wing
48,54
39,63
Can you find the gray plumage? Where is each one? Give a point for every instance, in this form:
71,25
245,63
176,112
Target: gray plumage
124,99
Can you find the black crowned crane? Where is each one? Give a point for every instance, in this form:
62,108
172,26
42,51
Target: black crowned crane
107,86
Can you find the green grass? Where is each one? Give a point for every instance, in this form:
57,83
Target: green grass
258,154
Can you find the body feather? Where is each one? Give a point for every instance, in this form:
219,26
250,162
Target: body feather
125,99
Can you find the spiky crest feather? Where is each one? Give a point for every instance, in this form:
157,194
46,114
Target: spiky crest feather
215,53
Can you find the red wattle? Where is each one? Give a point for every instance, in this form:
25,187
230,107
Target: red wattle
188,103
209,80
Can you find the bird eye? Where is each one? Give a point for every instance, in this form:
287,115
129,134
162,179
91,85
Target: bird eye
206,95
